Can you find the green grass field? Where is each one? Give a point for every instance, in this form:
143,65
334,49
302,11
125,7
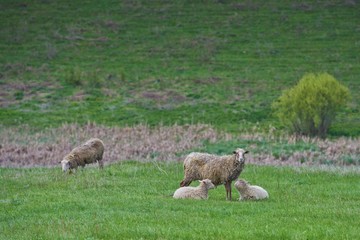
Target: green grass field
130,62
132,200
141,75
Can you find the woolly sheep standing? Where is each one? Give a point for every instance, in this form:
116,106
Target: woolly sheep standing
219,169
250,192
89,152
199,192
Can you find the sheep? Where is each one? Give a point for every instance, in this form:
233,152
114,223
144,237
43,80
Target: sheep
219,169
250,192
89,152
199,192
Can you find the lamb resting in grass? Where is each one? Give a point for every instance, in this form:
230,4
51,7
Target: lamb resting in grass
199,192
219,169
89,152
249,192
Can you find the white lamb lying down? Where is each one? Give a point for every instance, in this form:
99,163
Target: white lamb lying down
199,192
249,192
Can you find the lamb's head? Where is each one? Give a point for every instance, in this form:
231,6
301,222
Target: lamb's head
240,154
241,184
207,183
65,165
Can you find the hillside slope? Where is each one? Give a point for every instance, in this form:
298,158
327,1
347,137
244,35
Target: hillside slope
129,62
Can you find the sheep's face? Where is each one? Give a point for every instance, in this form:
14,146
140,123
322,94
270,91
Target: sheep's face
241,184
65,165
240,154
208,183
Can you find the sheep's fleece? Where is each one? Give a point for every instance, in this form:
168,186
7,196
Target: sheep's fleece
199,192
250,192
90,152
219,169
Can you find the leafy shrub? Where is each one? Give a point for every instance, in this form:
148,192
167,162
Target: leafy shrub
310,107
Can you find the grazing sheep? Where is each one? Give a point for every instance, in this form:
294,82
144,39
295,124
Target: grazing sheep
219,169
89,152
199,192
249,192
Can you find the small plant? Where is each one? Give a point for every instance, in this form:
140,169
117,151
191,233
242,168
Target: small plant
51,51
19,95
74,77
94,80
310,107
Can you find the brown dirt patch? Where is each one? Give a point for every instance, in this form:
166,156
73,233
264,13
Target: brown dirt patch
28,91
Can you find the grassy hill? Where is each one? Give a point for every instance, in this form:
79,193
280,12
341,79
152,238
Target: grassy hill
129,62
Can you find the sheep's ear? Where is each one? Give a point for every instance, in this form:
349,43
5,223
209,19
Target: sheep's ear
246,151
234,152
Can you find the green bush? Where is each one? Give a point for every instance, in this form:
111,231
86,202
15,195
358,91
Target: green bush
310,107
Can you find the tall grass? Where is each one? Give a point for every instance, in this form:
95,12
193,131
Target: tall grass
132,200
28,147
46,148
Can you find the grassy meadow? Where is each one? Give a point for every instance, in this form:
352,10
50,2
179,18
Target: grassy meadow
132,200
156,80
129,62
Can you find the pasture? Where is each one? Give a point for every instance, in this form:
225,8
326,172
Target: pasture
156,80
124,63
132,200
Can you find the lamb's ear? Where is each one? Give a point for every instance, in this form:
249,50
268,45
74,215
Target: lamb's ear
246,152
234,152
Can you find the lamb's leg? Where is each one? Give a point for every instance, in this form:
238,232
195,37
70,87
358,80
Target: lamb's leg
228,190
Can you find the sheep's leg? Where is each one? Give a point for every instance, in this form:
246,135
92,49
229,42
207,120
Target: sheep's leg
228,190
230,197
101,164
185,183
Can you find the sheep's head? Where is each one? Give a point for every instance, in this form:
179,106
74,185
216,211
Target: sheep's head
65,165
240,154
241,184
207,183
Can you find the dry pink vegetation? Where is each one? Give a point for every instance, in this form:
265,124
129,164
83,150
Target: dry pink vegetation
19,147
141,142
338,152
